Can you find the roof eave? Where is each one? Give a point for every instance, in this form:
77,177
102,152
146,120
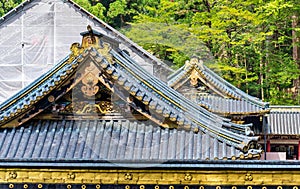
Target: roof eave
183,164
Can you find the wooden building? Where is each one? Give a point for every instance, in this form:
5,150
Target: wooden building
283,132
202,85
98,119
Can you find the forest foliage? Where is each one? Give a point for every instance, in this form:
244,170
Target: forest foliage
253,44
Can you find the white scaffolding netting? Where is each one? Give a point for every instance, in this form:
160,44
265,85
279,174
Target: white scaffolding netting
34,39
38,35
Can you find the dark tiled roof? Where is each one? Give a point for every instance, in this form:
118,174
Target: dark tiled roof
235,100
228,106
128,75
33,92
108,140
177,104
148,95
284,120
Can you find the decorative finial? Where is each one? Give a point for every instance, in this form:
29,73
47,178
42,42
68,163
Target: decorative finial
91,38
89,28
194,61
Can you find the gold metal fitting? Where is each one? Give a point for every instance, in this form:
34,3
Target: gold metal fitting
128,176
249,177
12,175
71,176
188,177
51,98
196,130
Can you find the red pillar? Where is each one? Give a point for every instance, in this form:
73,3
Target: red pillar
299,150
269,146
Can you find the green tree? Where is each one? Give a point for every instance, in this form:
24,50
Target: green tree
117,11
99,11
7,5
250,40
253,44
160,32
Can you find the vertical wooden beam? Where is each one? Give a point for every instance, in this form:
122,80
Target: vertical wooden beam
268,145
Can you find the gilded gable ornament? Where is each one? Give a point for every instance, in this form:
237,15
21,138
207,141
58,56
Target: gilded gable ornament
194,61
194,78
90,87
75,51
104,51
91,38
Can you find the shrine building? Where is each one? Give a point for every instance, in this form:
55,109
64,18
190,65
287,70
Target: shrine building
101,112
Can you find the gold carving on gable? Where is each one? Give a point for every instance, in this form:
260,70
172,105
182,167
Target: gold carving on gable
104,51
75,51
194,78
194,61
89,87
102,107
90,81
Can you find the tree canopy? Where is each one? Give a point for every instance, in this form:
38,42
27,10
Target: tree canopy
253,44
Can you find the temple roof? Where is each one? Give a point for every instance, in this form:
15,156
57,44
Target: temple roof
233,101
111,140
224,97
169,112
284,120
